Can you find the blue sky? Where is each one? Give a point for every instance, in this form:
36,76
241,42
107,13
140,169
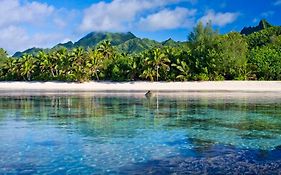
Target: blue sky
44,23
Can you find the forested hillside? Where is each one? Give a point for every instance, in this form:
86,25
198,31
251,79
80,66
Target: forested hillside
123,42
206,55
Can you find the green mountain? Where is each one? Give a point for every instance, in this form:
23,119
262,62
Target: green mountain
124,42
31,51
137,45
171,43
120,40
94,38
263,24
68,45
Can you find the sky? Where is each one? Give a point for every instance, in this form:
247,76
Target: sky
45,23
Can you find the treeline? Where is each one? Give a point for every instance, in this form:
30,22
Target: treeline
206,56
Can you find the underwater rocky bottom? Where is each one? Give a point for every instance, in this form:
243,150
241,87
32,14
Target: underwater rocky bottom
230,161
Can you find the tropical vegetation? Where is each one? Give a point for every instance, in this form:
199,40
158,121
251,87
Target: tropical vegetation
253,54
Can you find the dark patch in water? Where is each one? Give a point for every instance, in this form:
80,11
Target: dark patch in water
47,143
256,136
189,122
138,116
231,163
69,115
278,147
124,119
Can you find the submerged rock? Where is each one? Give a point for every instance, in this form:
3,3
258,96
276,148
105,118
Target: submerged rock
227,164
149,94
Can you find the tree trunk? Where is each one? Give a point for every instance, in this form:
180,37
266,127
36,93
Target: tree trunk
97,76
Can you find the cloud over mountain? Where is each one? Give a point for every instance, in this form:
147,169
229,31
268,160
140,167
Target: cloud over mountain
122,15
41,23
218,18
168,19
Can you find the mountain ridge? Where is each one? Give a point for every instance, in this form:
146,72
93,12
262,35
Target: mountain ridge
126,42
263,24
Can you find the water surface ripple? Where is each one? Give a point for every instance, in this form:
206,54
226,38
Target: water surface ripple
125,134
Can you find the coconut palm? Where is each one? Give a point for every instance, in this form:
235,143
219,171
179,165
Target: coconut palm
78,67
10,69
149,73
28,65
106,49
94,62
58,63
157,59
44,65
62,62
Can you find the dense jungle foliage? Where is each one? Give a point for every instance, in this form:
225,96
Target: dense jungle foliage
207,55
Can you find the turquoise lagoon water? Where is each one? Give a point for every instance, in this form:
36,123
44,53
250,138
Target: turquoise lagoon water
130,134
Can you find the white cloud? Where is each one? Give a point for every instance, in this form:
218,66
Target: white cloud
168,19
25,24
29,23
119,15
60,22
277,2
14,39
13,12
219,19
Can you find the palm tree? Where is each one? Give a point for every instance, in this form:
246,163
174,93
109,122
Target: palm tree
62,62
149,73
184,70
59,63
134,67
106,49
48,64
27,66
158,59
94,62
10,69
44,65
78,59
3,55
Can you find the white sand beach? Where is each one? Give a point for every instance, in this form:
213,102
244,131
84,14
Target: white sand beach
204,86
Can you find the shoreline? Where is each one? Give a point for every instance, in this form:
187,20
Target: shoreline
142,86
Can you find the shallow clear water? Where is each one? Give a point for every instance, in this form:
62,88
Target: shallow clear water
99,134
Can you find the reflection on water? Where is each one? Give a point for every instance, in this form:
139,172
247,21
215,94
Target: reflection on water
98,134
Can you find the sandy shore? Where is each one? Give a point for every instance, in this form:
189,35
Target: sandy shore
231,86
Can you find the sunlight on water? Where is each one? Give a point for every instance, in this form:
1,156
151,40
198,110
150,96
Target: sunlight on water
70,134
